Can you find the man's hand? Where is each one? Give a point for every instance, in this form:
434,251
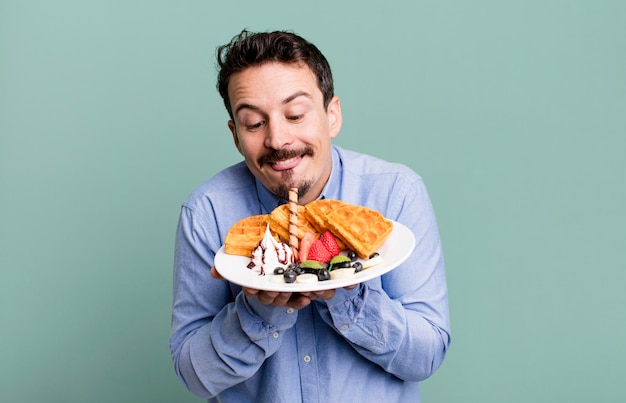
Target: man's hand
292,300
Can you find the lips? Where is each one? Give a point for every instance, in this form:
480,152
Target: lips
284,159
285,164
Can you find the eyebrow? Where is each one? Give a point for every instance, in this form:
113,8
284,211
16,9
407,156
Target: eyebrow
285,101
296,95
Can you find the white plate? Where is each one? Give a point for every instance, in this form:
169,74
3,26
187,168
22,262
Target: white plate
395,250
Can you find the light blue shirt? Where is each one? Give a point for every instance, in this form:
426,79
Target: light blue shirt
370,344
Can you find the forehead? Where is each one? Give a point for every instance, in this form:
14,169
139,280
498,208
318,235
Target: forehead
272,83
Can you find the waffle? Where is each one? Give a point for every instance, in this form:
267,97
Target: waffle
244,236
362,229
279,222
317,211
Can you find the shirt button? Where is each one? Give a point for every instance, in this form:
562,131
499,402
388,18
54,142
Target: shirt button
275,335
307,358
344,327
290,310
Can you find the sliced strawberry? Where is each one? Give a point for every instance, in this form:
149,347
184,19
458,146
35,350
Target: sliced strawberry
305,244
318,252
329,241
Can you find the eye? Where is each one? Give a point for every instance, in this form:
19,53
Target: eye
254,126
295,118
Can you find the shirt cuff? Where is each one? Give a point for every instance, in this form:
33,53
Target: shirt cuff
260,320
346,305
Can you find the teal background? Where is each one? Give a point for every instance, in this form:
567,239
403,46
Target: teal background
513,112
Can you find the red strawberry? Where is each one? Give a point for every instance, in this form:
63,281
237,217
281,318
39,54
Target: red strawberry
329,241
318,252
305,245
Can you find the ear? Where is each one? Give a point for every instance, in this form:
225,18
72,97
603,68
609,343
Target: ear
233,130
334,116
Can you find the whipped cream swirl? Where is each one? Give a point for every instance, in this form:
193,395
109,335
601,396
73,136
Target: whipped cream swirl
270,254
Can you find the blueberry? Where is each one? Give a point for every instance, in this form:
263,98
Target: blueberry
279,270
342,265
352,255
298,270
357,267
373,255
323,275
290,276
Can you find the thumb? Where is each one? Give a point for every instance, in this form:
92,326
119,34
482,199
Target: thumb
215,274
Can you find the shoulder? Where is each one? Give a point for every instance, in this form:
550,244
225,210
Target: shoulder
366,165
373,171
227,185
389,187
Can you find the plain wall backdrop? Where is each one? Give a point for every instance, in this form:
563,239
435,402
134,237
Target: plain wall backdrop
514,112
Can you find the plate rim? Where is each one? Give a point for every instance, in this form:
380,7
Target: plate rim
365,275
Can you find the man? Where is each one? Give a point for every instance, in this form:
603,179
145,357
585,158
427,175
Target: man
370,342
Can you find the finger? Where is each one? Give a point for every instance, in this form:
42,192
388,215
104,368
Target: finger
267,297
215,274
298,301
250,292
322,294
282,299
328,294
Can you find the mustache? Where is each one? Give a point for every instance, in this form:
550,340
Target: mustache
284,154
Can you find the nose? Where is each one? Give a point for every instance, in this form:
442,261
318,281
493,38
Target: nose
277,134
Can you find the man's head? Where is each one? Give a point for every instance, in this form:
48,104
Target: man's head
249,49
278,90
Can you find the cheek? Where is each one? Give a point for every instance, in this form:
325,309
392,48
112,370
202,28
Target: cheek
249,149
310,135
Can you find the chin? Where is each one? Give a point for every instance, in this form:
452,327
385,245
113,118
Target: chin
282,190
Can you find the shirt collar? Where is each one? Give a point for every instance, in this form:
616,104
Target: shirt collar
268,201
331,190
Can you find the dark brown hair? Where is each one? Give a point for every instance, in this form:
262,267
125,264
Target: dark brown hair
248,49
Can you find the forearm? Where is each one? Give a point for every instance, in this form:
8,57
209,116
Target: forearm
400,320
391,335
231,348
219,336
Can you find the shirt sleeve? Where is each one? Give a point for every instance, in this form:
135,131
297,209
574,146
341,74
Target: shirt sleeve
400,320
219,337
